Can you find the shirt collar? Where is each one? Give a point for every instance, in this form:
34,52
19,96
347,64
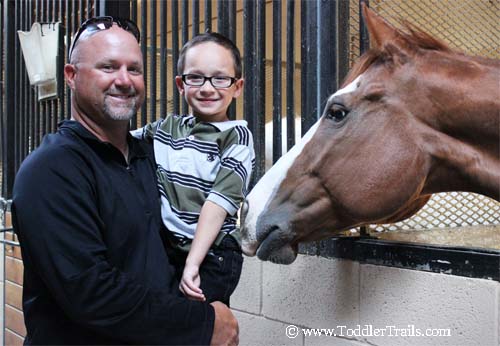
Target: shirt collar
136,148
225,125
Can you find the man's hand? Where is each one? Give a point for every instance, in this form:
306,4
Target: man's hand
226,331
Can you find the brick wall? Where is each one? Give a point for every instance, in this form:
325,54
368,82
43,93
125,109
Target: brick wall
14,329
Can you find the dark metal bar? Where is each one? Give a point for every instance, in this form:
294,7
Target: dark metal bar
185,38
10,105
144,49
364,38
231,20
60,61
55,10
450,260
290,71
152,61
55,103
222,20
249,68
309,83
32,95
17,94
231,32
276,80
185,21
309,48
75,16
116,8
343,40
39,10
195,8
364,45
81,13
40,115
89,9
327,53
175,55
69,34
3,156
133,16
259,116
163,58
248,62
133,10
208,15
23,113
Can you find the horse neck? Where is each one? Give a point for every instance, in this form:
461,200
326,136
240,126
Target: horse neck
463,125
463,97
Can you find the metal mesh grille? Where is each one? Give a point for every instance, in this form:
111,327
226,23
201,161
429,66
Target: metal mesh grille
470,26
452,209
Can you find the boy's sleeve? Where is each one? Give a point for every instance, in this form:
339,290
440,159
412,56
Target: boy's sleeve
232,181
148,131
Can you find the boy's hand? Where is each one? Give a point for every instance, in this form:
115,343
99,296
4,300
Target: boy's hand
190,283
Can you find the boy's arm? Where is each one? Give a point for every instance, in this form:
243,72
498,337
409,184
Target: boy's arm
209,224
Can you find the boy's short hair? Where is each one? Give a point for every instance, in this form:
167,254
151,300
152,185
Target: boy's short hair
211,37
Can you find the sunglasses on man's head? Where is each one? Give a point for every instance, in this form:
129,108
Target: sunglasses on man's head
104,23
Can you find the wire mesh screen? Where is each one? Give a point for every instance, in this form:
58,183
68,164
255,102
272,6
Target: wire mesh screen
470,26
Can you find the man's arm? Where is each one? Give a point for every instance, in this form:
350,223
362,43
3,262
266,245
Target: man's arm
209,224
58,222
226,328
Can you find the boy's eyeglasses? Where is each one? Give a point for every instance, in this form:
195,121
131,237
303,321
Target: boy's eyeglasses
104,23
216,81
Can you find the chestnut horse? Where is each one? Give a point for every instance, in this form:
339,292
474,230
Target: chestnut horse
412,119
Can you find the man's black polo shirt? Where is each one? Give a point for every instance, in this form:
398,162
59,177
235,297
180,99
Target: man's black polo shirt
96,271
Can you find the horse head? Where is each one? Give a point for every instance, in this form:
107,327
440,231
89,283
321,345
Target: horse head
412,119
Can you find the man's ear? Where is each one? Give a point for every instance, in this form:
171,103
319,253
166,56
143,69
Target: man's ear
180,84
238,85
69,75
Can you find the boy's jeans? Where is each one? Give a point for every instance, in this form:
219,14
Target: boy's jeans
219,272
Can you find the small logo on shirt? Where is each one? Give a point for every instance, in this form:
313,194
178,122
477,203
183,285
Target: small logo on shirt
210,157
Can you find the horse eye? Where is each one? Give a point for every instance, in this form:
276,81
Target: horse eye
337,113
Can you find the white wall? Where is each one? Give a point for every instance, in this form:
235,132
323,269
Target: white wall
316,292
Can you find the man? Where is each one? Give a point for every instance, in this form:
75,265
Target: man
87,215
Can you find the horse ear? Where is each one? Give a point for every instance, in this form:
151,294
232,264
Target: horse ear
381,32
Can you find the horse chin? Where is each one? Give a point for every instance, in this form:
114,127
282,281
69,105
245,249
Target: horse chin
284,255
275,249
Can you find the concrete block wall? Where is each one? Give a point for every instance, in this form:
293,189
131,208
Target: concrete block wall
348,298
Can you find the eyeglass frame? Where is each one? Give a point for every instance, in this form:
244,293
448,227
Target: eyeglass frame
126,24
205,78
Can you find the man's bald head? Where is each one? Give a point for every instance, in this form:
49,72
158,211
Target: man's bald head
86,35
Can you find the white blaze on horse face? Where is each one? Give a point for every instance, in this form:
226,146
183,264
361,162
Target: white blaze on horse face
265,189
349,88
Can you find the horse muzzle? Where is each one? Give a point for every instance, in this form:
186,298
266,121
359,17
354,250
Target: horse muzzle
275,240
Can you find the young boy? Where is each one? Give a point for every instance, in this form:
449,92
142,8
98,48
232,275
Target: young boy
204,163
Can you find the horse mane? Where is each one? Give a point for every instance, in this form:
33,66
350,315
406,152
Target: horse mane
413,40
